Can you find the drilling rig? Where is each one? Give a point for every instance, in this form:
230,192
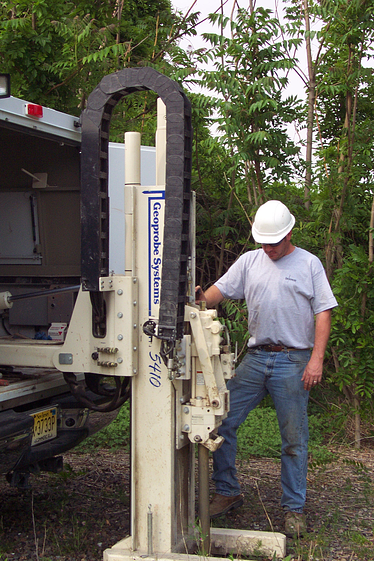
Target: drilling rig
141,327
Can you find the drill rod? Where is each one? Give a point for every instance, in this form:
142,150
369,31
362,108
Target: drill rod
203,471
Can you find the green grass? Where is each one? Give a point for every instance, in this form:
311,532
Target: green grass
258,435
115,436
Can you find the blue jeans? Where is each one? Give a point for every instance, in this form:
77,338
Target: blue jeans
278,374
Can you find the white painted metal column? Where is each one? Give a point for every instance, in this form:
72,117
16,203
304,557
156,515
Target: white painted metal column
162,496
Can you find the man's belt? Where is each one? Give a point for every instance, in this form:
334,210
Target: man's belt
274,348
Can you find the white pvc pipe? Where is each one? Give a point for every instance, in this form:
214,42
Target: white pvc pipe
161,143
132,158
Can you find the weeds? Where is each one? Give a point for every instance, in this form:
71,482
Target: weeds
115,436
259,436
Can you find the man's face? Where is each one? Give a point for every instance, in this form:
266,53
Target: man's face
277,251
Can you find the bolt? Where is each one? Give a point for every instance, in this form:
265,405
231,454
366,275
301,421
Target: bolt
95,356
134,370
120,360
120,292
186,410
186,428
192,315
120,337
120,315
197,438
135,326
134,281
134,303
135,348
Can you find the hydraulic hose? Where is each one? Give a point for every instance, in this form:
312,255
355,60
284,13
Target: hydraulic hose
120,395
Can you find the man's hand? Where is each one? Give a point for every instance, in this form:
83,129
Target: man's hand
313,371
199,294
212,296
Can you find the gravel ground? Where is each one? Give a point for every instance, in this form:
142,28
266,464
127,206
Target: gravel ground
75,515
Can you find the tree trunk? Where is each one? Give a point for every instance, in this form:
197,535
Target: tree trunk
311,102
223,239
356,403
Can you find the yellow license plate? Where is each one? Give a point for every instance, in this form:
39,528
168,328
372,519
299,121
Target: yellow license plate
45,426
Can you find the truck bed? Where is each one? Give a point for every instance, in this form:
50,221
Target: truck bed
27,385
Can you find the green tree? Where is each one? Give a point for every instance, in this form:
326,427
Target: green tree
341,212
57,52
250,70
251,116
248,80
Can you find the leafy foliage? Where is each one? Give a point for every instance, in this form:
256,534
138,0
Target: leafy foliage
251,152
243,155
114,436
57,52
342,198
250,72
251,65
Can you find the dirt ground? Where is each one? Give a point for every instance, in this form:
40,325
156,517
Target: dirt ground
75,515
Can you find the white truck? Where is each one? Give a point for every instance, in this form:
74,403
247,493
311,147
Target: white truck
40,270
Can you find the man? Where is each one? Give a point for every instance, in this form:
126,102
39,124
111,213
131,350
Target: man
289,303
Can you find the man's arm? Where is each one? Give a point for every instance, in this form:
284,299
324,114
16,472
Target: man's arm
212,296
313,371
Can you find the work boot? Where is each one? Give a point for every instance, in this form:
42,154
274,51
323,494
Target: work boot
294,524
221,505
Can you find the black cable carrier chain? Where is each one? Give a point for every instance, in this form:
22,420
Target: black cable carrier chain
94,188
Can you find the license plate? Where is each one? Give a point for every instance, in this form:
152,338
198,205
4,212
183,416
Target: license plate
45,426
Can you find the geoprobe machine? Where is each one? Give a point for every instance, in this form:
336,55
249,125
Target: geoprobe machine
178,356
144,326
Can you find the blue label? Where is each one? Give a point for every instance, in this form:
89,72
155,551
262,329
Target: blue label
155,239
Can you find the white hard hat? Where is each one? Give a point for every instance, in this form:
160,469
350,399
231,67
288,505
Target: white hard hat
273,221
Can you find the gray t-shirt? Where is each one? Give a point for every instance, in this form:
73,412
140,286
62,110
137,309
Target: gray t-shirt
282,296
